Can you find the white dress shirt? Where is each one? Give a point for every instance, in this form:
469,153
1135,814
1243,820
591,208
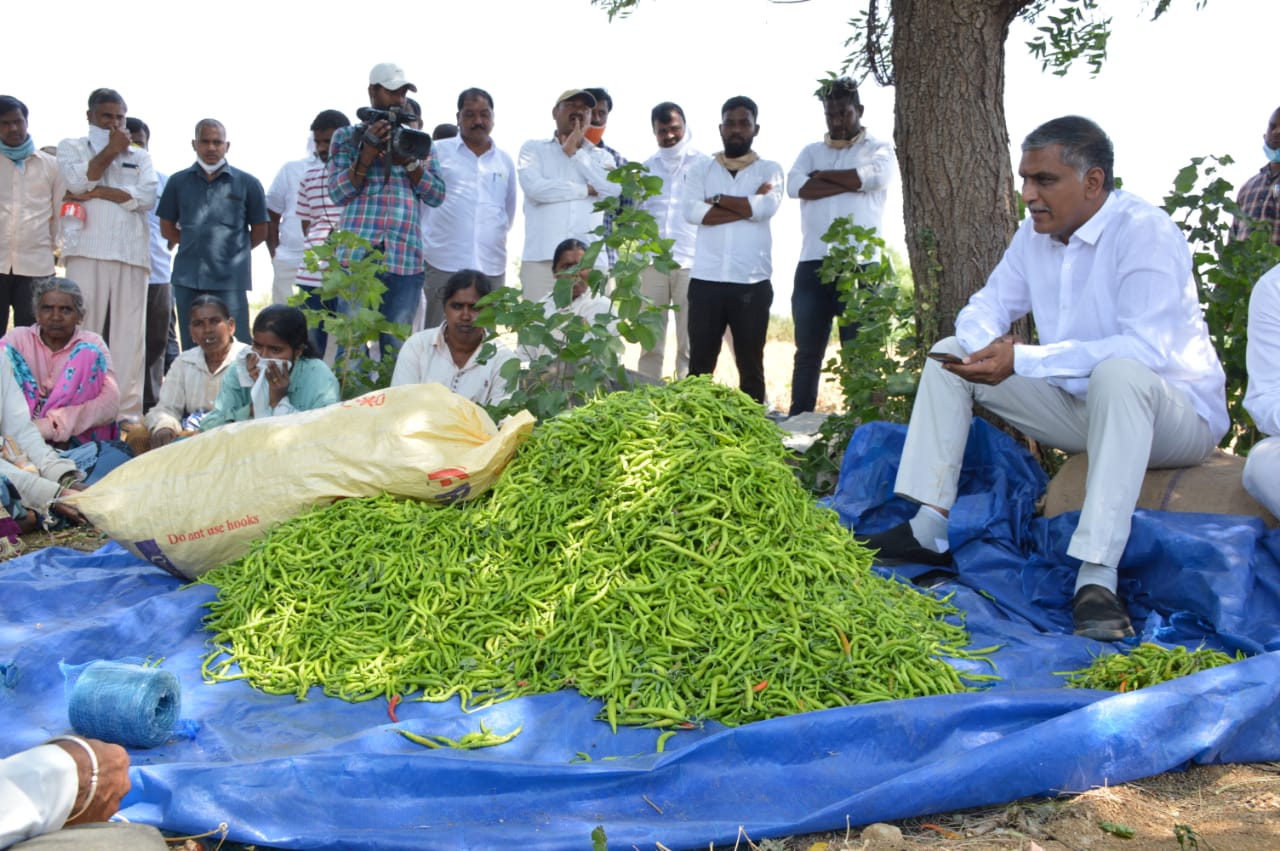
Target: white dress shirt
874,161
738,252
157,245
1262,357
1120,288
556,203
282,199
469,230
426,359
673,165
111,231
30,204
37,790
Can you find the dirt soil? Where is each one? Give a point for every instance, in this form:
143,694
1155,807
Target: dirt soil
1207,808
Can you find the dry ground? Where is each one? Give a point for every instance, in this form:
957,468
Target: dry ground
1208,808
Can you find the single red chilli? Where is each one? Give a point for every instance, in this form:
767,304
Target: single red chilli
391,708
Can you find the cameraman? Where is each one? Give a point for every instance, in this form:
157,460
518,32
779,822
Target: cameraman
380,192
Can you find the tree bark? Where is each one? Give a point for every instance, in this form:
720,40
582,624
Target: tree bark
953,149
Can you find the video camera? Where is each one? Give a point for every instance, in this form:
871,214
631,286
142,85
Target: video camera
404,142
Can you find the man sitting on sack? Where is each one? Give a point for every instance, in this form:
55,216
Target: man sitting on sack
1124,369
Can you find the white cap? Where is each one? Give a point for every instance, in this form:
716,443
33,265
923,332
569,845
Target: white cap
390,76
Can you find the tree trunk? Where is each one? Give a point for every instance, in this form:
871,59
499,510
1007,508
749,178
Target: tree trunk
953,148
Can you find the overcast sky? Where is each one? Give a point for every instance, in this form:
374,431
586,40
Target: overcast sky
1191,84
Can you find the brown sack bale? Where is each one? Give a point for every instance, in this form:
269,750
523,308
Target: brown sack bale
1212,487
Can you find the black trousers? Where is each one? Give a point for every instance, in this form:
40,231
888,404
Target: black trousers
744,310
814,305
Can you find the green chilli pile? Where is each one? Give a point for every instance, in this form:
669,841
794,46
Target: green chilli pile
1146,665
651,548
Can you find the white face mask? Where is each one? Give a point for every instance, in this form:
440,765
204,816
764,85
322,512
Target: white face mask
210,169
98,137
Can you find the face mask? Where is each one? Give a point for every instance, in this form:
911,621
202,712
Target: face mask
98,137
1273,155
210,169
594,134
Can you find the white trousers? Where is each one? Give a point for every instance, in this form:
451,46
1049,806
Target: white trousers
286,275
116,293
1132,421
666,288
1262,474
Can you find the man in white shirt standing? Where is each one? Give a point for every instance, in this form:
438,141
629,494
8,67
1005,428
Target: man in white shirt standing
672,162
31,192
732,197
469,230
109,255
285,242
1124,369
1262,399
159,320
562,177
846,174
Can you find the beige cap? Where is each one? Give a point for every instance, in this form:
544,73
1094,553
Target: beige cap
576,93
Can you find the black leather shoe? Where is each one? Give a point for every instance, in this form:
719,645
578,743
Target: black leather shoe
1099,614
899,546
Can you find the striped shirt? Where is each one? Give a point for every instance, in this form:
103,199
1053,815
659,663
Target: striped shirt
1259,200
111,231
315,207
384,208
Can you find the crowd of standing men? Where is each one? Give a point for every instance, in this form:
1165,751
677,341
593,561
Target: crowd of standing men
115,221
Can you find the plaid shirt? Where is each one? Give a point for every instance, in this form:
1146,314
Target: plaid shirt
1259,199
385,209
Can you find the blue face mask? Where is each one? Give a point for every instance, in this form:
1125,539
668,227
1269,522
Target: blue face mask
1273,155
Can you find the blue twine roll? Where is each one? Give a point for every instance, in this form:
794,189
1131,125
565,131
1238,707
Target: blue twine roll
125,704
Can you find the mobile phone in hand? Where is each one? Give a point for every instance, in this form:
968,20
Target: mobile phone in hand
944,357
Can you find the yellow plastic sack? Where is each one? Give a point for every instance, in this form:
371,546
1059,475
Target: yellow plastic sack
199,503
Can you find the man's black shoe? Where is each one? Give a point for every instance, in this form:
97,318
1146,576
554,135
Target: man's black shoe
899,546
1098,614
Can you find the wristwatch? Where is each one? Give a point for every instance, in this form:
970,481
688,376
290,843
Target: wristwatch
715,200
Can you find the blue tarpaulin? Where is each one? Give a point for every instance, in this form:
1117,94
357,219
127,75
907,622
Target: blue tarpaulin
323,773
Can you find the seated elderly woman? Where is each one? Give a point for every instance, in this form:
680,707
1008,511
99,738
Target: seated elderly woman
63,370
448,354
280,374
191,386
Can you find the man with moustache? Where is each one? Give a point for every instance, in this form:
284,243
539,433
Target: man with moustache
469,230
216,214
846,174
382,194
672,162
732,197
31,192
1259,198
1123,369
562,178
109,256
